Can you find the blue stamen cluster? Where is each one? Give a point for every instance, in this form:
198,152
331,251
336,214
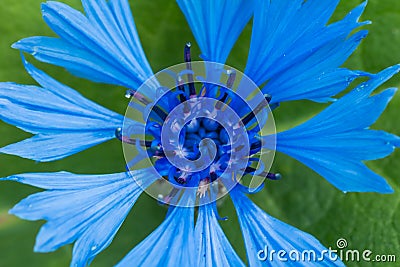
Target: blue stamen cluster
196,130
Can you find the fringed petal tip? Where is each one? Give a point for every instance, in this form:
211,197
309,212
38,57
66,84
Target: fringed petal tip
376,80
306,63
14,178
385,74
62,120
14,211
395,68
383,188
396,142
17,45
19,210
260,231
359,10
336,142
102,45
9,178
214,35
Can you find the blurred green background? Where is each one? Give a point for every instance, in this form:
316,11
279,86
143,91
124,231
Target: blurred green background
302,198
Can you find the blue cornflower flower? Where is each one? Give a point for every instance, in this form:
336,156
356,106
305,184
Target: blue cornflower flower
294,55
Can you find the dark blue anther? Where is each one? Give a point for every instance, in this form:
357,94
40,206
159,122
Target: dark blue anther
118,133
229,84
249,117
161,113
274,176
181,87
255,145
268,98
154,129
268,175
156,145
131,141
188,60
221,101
231,78
213,176
181,180
141,98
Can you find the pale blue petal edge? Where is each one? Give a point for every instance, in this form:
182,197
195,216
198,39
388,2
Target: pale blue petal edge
85,209
294,55
261,231
335,142
62,120
172,243
102,45
213,248
216,24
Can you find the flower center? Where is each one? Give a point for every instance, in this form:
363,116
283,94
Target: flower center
199,131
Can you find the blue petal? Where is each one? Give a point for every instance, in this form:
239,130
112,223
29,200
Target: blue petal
65,122
85,209
262,231
216,24
103,46
172,243
45,148
335,142
214,248
296,55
